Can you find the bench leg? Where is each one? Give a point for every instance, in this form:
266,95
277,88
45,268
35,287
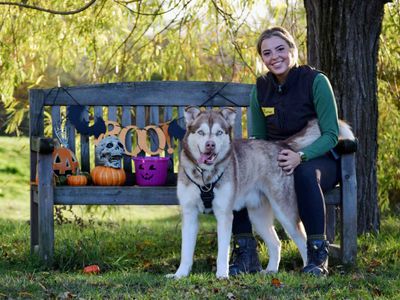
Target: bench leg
34,222
45,210
349,210
330,223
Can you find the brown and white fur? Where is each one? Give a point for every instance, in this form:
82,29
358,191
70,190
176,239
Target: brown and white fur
251,178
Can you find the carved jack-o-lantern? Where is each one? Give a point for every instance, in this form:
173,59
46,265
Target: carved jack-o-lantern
64,161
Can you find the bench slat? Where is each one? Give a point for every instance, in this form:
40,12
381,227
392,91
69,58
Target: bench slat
112,113
97,195
158,93
249,126
55,119
98,113
154,119
70,128
181,117
142,195
238,130
140,120
168,115
85,153
126,120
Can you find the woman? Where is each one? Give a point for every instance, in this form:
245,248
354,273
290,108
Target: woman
282,103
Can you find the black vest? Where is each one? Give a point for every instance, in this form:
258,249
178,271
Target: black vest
287,107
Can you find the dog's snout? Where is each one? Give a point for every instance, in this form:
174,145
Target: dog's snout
210,146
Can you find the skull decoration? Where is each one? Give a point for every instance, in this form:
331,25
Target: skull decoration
109,152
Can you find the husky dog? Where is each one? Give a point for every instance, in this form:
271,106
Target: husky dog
225,174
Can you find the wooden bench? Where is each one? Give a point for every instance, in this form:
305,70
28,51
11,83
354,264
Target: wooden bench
141,104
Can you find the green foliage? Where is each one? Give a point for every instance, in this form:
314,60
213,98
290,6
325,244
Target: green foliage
132,41
389,110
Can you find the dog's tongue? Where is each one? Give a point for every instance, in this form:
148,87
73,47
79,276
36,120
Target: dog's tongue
206,158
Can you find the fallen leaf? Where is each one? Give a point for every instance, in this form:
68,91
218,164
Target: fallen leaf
276,283
375,263
92,269
147,264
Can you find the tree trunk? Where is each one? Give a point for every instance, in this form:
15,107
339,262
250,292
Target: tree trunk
343,41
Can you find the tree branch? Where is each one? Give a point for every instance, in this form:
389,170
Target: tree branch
156,13
55,12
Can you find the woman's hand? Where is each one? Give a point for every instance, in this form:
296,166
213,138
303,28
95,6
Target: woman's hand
288,160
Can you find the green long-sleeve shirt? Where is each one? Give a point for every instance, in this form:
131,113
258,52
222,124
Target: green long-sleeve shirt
325,107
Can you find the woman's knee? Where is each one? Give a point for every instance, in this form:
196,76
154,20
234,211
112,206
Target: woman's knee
304,170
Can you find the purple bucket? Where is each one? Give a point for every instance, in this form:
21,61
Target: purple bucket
151,171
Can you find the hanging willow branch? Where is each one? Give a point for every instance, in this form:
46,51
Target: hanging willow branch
56,12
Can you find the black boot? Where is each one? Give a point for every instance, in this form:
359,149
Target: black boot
317,257
244,256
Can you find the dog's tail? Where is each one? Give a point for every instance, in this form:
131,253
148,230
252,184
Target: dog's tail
345,132
312,132
305,137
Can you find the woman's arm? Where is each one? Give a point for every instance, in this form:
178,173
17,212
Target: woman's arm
257,117
325,106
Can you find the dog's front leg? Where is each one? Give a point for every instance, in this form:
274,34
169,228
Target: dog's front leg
190,228
224,231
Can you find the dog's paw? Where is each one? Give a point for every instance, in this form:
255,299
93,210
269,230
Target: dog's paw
223,276
268,272
176,276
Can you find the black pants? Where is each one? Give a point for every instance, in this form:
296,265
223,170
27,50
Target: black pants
311,179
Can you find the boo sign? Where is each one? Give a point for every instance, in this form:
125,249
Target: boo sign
142,137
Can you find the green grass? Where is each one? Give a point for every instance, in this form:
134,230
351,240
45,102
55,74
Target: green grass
136,246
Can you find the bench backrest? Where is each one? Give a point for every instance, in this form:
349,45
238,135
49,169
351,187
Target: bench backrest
137,104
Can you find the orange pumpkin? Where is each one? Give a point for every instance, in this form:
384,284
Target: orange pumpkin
64,161
102,175
77,180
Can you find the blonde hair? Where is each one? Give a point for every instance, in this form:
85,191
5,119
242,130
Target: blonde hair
284,35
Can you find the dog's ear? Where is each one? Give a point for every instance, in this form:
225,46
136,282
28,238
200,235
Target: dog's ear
191,112
229,114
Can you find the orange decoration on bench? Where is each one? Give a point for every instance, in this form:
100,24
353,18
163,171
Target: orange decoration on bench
161,130
64,161
102,175
77,180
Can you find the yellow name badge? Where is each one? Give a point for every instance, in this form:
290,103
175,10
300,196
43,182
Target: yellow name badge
268,111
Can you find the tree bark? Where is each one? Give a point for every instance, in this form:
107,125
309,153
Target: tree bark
343,42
